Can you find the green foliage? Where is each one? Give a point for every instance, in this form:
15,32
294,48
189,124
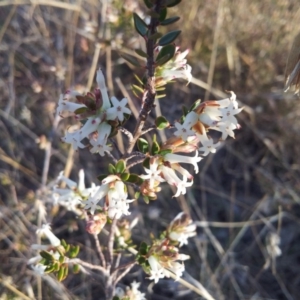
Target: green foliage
161,123
169,37
169,21
140,26
143,145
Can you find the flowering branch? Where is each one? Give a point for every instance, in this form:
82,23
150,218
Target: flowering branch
150,90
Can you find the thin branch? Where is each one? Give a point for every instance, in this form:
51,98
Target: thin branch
110,245
150,86
126,271
87,265
99,250
148,129
127,133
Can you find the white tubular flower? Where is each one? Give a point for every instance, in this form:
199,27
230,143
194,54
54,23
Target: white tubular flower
133,293
73,138
90,126
67,106
94,198
117,201
99,145
101,84
153,174
46,230
207,144
229,112
181,187
183,235
226,129
183,131
177,268
180,229
210,116
39,269
72,196
176,158
184,72
118,109
157,271
172,179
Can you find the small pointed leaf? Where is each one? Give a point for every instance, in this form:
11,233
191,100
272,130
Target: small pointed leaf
146,163
171,3
143,145
163,14
155,36
161,122
169,21
163,60
111,169
120,166
169,37
140,26
141,53
131,59
166,50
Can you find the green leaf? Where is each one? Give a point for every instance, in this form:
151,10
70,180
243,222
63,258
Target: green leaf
140,26
141,53
133,178
138,79
63,243
120,166
166,50
101,177
163,14
131,59
155,36
137,88
80,110
146,163
169,37
74,251
161,123
185,110
146,199
50,269
171,3
76,269
160,96
111,169
169,21
163,60
155,146
143,250
148,3
164,152
47,255
195,105
66,271
137,195
125,176
143,145
60,274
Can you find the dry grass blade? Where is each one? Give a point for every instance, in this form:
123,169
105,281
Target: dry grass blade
292,71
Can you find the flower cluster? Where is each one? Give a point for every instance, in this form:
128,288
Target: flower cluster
163,256
177,67
73,194
165,168
100,115
114,191
35,261
131,293
215,115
